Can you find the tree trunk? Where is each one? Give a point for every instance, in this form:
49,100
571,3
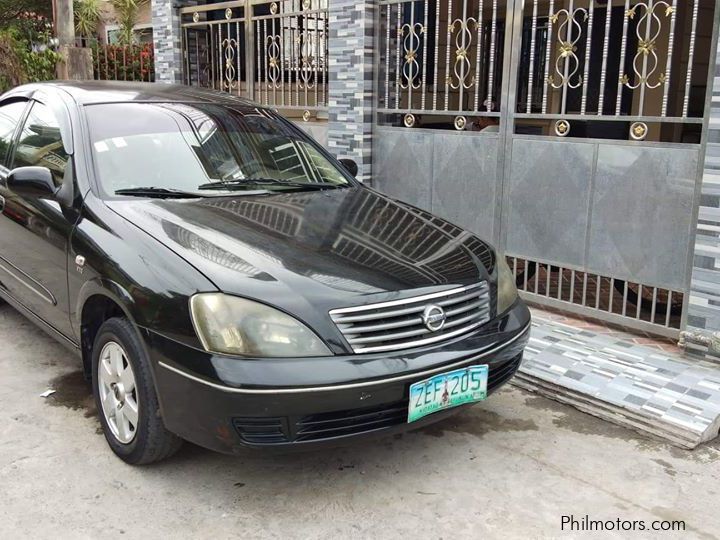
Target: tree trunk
65,22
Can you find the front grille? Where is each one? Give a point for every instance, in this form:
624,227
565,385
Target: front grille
336,424
398,324
324,426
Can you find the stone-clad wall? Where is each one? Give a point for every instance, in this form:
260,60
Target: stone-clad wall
350,79
704,308
166,39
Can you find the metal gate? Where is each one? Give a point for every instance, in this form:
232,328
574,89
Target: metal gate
272,52
568,131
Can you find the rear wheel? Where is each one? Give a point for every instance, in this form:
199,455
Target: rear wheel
125,396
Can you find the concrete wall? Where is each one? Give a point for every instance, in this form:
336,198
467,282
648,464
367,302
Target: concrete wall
108,18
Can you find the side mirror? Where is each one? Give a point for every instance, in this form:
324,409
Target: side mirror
349,165
33,181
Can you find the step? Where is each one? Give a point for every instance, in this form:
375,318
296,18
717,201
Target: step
661,394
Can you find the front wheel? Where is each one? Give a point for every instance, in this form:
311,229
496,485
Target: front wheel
125,396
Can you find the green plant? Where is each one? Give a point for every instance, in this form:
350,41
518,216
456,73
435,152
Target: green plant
22,63
12,10
11,67
126,12
124,62
87,16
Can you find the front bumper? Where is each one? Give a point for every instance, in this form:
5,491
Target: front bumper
225,403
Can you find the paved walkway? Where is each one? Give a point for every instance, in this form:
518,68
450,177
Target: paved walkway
640,382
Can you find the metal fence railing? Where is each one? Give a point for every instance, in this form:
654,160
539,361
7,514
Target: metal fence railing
123,62
637,48
440,57
635,61
655,308
272,52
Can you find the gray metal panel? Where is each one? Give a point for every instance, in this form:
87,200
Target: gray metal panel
465,180
642,212
547,203
403,165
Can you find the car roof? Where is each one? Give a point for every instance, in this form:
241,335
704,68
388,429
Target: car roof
91,92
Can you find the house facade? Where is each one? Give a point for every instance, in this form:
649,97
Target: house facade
581,137
108,26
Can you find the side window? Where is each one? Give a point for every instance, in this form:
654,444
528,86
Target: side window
40,143
10,116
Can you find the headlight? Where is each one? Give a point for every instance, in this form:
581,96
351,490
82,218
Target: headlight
233,325
506,290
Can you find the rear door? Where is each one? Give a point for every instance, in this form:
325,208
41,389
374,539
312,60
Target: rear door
34,231
12,113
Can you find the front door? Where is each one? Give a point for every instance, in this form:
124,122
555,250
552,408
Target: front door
34,231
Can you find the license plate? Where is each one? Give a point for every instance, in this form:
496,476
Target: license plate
446,390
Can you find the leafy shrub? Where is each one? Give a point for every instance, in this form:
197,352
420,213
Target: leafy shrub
124,62
21,62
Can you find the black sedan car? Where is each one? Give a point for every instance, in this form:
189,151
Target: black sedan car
226,281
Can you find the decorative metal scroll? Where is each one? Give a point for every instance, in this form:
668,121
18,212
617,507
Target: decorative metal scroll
649,27
410,35
306,60
229,47
567,64
462,67
644,39
440,57
272,49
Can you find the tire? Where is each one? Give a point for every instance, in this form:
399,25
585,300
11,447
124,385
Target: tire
132,425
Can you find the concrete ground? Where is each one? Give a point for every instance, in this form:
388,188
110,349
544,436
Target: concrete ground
509,468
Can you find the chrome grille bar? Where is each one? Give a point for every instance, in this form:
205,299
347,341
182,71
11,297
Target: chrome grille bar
397,324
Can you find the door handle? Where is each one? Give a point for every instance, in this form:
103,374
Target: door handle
2,203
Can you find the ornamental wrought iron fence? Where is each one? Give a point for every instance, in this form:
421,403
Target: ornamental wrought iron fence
272,52
635,61
441,57
622,83
608,58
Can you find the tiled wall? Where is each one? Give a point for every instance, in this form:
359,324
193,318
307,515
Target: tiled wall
166,39
704,308
350,89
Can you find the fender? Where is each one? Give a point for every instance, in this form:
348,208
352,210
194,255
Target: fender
112,290
105,287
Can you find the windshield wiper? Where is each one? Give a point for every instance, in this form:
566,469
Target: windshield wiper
158,192
240,183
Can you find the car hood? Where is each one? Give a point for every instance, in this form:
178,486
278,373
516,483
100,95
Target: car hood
319,249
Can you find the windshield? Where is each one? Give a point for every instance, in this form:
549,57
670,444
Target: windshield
188,147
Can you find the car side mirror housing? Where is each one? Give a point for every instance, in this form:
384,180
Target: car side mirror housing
350,166
32,181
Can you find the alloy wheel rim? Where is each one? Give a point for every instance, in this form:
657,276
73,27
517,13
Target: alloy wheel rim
118,392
